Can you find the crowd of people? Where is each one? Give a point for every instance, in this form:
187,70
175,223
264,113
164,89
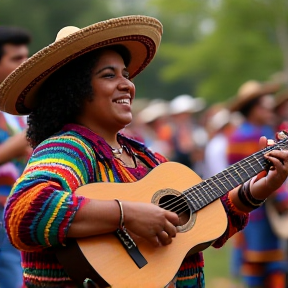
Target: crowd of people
216,137
85,125
14,149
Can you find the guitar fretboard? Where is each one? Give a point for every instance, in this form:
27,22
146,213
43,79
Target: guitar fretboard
215,187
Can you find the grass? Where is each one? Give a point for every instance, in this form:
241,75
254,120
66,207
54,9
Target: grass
217,266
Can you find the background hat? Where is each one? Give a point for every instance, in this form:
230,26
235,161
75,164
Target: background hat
251,90
141,35
156,108
281,97
186,103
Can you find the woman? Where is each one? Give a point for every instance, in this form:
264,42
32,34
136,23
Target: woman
75,116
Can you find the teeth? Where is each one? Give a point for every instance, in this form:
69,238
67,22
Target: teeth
123,101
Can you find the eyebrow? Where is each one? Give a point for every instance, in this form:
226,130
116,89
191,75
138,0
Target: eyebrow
109,67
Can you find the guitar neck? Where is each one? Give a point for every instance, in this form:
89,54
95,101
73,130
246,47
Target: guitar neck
215,187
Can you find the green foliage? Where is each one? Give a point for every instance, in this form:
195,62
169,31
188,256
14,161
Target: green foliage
238,43
45,18
209,48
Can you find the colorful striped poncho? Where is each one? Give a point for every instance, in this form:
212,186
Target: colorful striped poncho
42,204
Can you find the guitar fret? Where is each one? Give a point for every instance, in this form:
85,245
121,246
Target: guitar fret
260,164
215,187
227,178
210,188
239,176
252,168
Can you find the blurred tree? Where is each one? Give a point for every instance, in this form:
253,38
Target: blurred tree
45,18
209,48
228,43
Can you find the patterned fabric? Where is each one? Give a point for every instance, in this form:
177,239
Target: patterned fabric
256,243
9,172
10,258
42,204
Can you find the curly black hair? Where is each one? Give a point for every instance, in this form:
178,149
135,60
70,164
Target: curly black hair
61,97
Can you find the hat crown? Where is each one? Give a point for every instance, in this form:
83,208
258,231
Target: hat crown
66,31
186,103
249,88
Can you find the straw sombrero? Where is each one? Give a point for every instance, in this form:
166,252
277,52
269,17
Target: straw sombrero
156,109
251,90
186,103
140,34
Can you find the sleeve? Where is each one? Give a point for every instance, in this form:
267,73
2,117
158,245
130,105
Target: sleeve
237,220
42,203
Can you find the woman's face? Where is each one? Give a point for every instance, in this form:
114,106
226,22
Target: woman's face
113,93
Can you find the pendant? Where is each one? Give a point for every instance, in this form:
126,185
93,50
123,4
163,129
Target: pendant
117,152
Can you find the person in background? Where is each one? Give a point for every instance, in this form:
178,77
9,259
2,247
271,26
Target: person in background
257,256
156,128
281,110
277,206
79,98
219,126
14,150
188,137
135,128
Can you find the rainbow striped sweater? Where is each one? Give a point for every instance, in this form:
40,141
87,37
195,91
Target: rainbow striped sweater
42,203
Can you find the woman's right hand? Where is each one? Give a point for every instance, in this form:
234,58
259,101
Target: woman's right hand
154,224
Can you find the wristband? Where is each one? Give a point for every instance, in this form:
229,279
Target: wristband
247,198
121,221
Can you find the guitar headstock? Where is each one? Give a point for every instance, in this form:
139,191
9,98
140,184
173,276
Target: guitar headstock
282,135
282,139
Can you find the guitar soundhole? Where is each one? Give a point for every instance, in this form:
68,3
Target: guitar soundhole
172,200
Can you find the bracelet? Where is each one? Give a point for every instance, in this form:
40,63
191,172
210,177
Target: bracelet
247,198
121,221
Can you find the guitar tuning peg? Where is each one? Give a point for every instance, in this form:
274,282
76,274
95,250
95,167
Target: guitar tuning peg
282,135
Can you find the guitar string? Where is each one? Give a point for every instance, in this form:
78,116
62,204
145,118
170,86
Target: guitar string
205,184
222,176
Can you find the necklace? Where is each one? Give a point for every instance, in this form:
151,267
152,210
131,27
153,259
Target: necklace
117,152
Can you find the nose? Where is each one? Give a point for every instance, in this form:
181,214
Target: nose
127,85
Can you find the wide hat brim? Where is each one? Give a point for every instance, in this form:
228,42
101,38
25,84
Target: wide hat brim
250,91
140,34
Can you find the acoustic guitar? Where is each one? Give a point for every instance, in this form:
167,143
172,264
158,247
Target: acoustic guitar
121,261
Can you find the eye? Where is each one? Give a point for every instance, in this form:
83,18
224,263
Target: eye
108,75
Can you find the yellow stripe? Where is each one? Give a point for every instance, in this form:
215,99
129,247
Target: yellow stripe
58,161
111,176
14,222
54,214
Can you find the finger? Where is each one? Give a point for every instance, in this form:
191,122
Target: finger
170,229
154,241
263,142
278,154
164,238
172,217
276,162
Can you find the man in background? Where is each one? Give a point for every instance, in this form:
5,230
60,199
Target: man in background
258,256
14,150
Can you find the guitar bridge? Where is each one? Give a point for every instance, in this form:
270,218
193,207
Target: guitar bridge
131,247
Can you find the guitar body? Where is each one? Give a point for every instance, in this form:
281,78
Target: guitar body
108,257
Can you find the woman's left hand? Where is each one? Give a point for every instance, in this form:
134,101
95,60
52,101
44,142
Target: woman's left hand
265,183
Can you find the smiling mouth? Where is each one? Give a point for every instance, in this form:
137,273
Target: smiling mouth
123,101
